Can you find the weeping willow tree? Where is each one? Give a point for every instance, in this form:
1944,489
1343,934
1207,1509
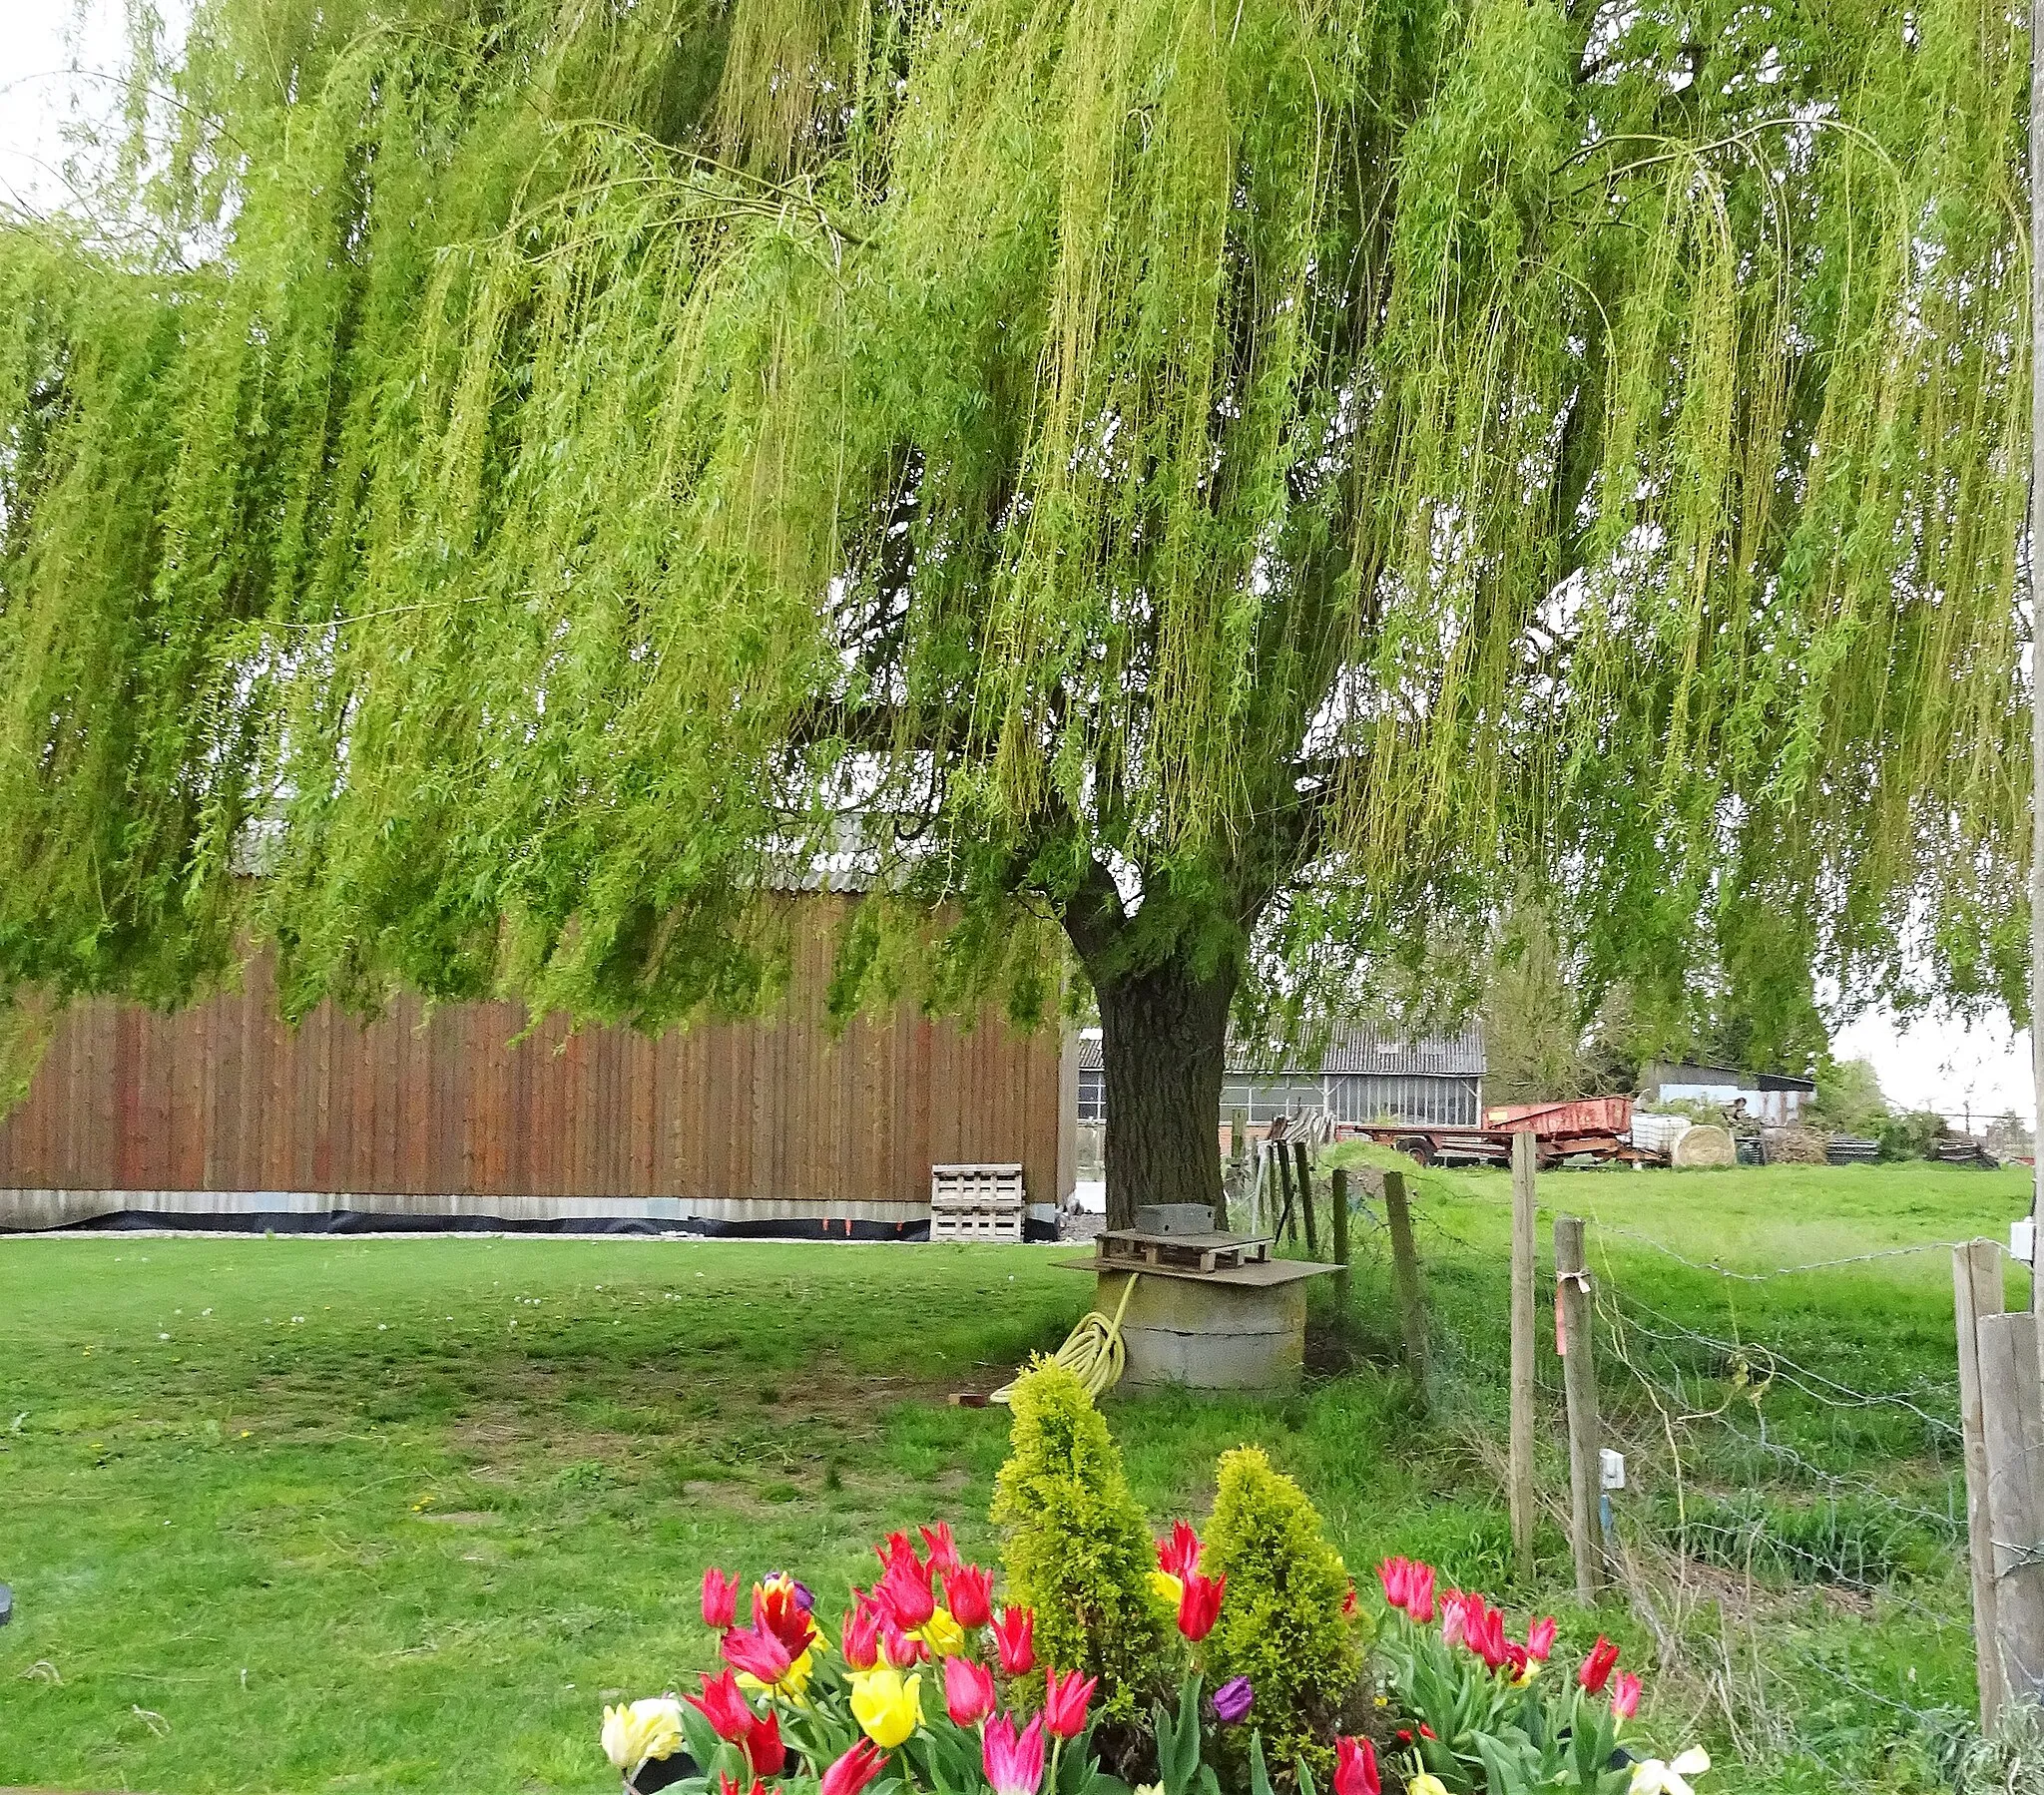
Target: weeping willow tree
1218,496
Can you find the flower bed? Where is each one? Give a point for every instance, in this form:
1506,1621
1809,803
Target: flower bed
933,1685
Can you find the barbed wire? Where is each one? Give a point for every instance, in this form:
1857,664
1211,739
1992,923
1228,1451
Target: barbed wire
1784,1271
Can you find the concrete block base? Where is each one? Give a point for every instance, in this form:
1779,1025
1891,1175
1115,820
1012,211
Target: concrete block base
1206,1335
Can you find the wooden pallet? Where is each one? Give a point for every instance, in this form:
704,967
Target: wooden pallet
1182,1252
976,1202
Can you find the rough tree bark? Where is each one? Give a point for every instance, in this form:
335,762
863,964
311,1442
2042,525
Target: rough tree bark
1164,1035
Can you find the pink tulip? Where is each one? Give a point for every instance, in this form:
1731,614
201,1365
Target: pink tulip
1396,1576
1419,1594
1540,1640
943,1553
1014,1766
1355,1767
968,1691
757,1652
862,1633
719,1598
904,1592
1625,1696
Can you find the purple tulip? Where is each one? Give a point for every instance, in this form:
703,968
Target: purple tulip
1233,1701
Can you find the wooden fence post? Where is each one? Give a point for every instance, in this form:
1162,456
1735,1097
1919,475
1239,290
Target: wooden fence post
1288,1220
1573,1335
1977,1292
2012,1428
1339,1217
1237,1170
1524,1248
1406,1277
1306,1197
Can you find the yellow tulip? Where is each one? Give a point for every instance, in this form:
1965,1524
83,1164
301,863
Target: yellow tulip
1167,1589
942,1634
1425,1783
886,1704
651,1728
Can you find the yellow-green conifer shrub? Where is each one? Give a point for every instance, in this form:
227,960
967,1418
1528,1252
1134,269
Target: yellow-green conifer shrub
1281,1622
1077,1545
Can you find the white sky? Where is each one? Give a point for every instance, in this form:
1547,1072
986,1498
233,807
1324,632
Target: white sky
1932,1065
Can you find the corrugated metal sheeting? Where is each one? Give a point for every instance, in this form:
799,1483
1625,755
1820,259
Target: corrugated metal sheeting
1365,1077
778,1114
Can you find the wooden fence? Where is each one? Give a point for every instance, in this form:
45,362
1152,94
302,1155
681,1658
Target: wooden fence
779,1112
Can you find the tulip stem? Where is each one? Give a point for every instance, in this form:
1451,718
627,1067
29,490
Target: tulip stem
1057,1746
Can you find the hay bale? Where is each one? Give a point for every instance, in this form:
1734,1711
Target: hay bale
1705,1145
1795,1146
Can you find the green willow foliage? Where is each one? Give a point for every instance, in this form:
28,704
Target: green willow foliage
524,472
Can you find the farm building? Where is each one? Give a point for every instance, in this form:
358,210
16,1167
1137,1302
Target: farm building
221,1116
1772,1097
1364,1074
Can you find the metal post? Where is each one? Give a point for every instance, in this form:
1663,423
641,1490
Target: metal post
1579,1382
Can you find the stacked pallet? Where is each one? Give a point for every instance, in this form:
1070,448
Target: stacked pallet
976,1202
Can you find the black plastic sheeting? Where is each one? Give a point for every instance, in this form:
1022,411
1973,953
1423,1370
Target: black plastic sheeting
372,1221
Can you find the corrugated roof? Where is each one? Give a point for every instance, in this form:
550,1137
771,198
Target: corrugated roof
1358,1050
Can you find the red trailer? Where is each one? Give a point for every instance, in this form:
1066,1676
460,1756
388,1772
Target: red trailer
1597,1126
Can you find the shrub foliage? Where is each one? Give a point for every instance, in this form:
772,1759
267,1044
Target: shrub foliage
1077,1546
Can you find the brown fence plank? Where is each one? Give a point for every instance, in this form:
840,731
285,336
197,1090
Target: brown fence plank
223,1095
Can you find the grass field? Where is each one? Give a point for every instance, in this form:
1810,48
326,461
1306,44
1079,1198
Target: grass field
327,1514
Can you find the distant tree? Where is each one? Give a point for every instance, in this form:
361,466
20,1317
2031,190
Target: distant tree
1848,1100
1233,492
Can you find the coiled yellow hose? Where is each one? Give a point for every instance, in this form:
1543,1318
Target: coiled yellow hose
1093,1351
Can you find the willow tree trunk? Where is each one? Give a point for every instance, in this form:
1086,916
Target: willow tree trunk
1163,1038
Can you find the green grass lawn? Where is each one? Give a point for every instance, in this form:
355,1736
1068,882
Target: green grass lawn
327,1514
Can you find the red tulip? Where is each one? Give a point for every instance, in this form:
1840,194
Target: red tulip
726,1785
1487,1634
968,1689
1625,1696
1355,1767
757,1652
1178,1556
765,1750
969,1593
719,1598
1349,1600
855,1769
1419,1594
721,1704
896,1545
1015,1640
1198,1607
898,1648
904,1592
1596,1668
1540,1640
1396,1576
1064,1702
862,1633
943,1555
778,1609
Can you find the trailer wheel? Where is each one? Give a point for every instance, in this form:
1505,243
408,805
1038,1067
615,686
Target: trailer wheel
1418,1146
